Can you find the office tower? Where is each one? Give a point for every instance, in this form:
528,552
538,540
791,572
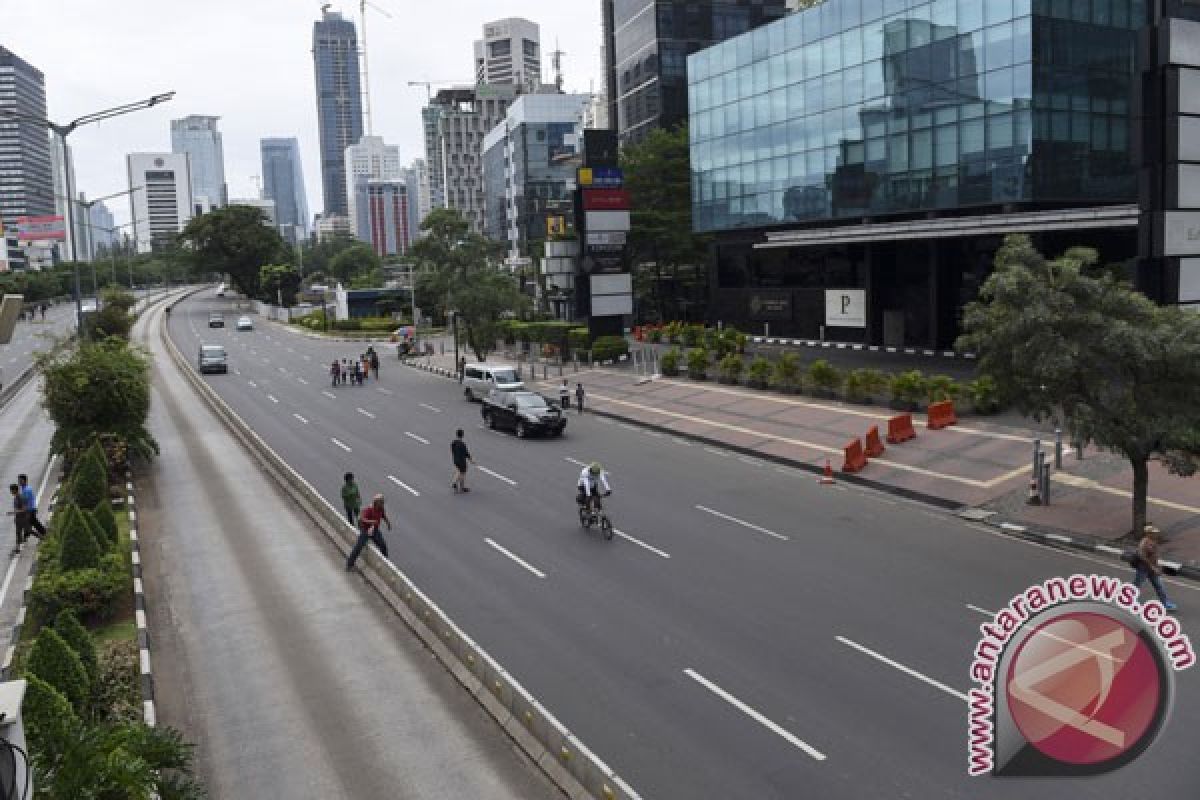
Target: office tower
509,52
263,204
164,206
339,103
647,43
198,137
381,215
59,170
283,182
372,159
102,233
26,179
456,121
420,197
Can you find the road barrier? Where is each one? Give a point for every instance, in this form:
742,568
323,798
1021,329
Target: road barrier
900,429
875,446
856,459
562,756
941,415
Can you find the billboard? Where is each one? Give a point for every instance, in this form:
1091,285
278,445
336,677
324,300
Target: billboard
37,229
606,221
600,177
606,200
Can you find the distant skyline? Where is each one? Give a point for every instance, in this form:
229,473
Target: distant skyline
250,64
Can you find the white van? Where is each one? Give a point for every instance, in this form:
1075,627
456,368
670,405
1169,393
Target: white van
479,379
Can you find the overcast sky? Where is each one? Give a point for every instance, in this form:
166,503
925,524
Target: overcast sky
250,63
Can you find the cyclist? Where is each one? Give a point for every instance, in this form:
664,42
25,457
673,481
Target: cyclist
593,483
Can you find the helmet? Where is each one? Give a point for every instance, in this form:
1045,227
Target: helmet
594,468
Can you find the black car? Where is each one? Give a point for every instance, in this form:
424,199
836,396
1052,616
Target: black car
526,413
216,321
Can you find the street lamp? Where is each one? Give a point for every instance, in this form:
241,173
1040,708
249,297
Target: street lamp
112,250
63,132
91,248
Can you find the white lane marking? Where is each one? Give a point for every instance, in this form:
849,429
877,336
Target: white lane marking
341,445
428,407
640,543
404,486
497,476
979,610
516,558
912,673
284,371
303,421
12,564
743,523
420,439
716,452
330,395
272,398
253,385
366,413
574,461
308,358
382,390
775,728
1048,635
302,381
290,350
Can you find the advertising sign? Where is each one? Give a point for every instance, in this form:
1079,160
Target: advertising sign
556,226
601,177
771,305
1181,233
606,200
36,229
597,221
600,238
846,308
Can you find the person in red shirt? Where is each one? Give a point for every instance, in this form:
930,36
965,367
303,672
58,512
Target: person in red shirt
369,520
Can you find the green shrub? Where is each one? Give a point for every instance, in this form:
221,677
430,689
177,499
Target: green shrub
692,334
578,339
47,715
654,335
941,387
731,367
823,375
67,625
78,548
89,481
740,340
609,348
786,374
91,593
670,362
697,361
674,332
99,535
53,660
711,337
908,387
984,395
874,382
107,520
117,689
759,372
853,386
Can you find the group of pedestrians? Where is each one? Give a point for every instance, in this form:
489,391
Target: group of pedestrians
24,512
354,371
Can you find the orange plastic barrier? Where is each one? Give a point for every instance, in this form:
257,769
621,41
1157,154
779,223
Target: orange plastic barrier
875,446
900,429
941,415
856,459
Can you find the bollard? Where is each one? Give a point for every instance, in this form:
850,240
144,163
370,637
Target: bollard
1058,448
1037,449
1079,451
766,330
1045,484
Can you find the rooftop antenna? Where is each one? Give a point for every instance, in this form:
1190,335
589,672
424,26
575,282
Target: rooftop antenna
556,61
362,10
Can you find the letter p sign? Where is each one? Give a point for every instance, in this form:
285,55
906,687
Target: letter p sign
845,303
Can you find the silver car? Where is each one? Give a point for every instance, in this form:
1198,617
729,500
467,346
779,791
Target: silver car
213,359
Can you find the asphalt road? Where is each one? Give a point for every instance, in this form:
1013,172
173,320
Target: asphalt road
751,634
31,337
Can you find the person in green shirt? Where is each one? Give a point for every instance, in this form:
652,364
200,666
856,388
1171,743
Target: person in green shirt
351,499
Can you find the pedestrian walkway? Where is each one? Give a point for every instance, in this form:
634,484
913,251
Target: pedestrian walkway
292,677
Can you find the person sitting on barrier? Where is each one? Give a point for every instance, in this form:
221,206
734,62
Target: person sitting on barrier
593,482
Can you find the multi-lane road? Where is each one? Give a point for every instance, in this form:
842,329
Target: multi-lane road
749,633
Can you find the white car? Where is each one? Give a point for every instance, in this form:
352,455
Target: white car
479,379
245,324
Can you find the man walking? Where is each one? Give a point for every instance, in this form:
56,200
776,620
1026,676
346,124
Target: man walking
564,395
368,530
32,523
461,456
19,515
351,499
579,395
1146,565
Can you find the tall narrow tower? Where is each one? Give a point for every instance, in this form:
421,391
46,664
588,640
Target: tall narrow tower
339,102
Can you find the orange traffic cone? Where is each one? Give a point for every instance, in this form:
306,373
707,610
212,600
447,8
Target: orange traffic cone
827,478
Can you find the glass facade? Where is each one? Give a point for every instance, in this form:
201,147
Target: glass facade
863,108
339,103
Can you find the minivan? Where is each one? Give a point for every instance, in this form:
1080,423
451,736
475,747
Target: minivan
213,359
479,379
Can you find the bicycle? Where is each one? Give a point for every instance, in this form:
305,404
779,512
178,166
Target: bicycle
595,515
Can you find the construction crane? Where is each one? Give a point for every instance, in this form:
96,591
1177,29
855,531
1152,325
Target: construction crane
362,11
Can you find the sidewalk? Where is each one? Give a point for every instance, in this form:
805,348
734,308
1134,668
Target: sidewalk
977,464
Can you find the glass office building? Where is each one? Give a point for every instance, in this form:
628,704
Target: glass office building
866,112
339,103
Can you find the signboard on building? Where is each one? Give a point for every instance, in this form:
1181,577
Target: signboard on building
601,177
556,226
771,305
37,229
606,200
846,308
1180,233
604,221
612,295
606,238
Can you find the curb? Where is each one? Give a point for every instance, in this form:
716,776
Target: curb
546,741
149,713
908,351
15,636
1048,537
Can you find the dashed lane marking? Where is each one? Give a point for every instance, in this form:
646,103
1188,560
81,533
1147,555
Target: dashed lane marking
404,486
743,523
497,476
341,444
501,549
640,543
420,439
428,407
912,673
303,421
773,727
365,413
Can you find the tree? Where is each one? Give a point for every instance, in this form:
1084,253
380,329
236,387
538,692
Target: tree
1066,340
48,717
670,259
234,241
318,256
110,320
52,660
78,548
67,625
355,260
278,280
107,521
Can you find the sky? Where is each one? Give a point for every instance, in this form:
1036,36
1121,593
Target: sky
250,63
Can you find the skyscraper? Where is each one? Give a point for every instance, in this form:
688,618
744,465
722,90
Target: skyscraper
283,182
164,206
420,200
369,159
198,137
509,52
646,45
339,103
381,215
26,180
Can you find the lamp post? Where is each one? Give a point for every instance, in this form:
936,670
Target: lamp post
63,132
87,206
112,250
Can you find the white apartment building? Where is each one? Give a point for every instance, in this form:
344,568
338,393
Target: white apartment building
510,52
370,159
263,204
161,209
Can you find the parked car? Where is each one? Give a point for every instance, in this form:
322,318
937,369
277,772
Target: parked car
215,320
245,324
213,359
480,379
524,413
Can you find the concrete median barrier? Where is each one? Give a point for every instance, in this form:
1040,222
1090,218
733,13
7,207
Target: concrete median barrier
558,752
